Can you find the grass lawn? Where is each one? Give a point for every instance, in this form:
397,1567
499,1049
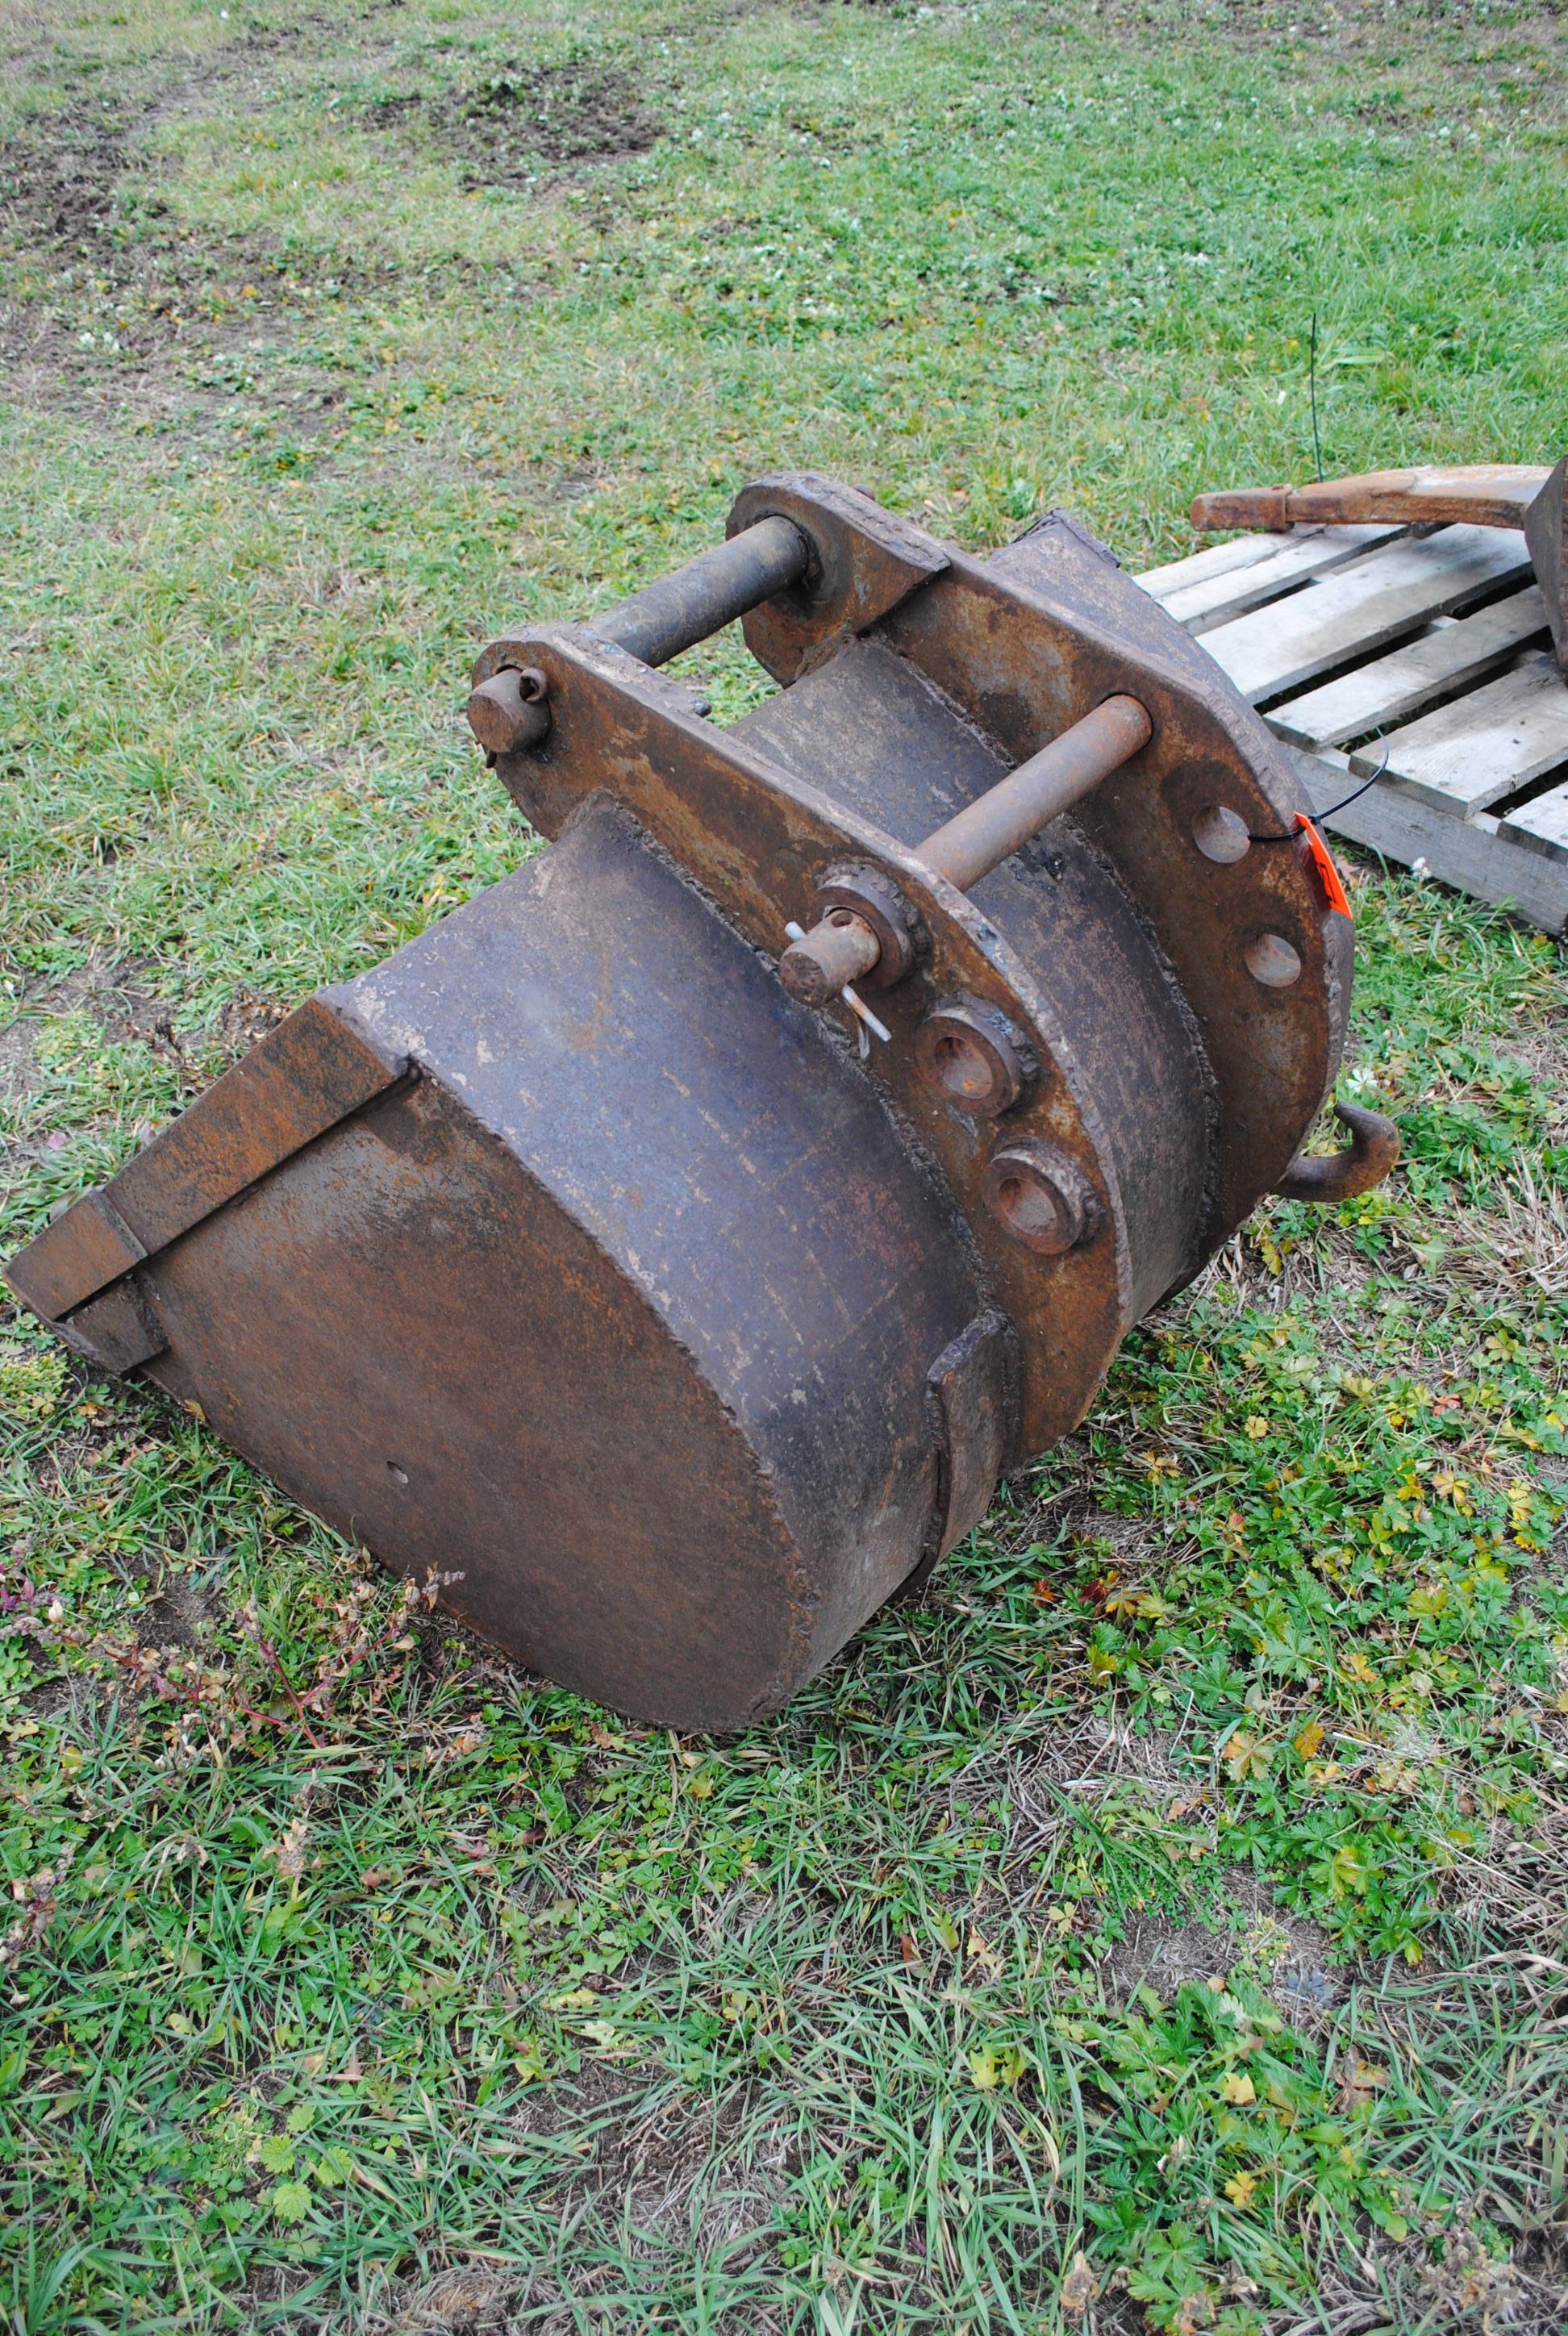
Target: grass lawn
1162,1925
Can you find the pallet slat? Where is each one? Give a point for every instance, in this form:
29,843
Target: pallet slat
1211,601
1395,688
1486,746
1541,826
1214,559
1475,855
1366,607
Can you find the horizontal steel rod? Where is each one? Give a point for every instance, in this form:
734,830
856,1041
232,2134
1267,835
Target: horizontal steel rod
841,947
709,593
990,830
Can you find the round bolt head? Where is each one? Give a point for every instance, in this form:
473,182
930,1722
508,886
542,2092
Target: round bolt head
970,1055
1041,1197
1272,960
1220,835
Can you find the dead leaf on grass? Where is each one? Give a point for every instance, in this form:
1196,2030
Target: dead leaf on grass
1079,2288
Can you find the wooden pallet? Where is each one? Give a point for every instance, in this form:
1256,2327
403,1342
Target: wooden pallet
1430,645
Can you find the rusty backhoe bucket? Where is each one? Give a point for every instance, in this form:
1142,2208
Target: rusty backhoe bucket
680,1239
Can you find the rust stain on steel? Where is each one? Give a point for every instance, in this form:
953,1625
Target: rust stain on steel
119,1328
972,1056
840,949
851,941
528,1284
504,716
567,1252
1030,643
864,561
86,1248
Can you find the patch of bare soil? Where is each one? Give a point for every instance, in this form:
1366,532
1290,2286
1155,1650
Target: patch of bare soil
57,201
1291,1951
665,2173
18,1069
120,997
115,994
103,282
502,130
176,1614
108,295
59,187
1045,1780
469,2300
1469,2293
20,1075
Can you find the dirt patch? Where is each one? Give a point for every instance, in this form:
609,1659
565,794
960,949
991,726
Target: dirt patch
18,1068
471,2298
1290,1953
1469,2293
128,1011
674,2171
502,129
110,297
100,271
246,1019
59,187
670,2173
567,113
122,1001
1044,1781
1374,113
118,999
1076,1769
176,1614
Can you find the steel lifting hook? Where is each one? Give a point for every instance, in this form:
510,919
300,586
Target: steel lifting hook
1328,1176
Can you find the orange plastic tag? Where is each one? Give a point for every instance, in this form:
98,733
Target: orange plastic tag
1333,889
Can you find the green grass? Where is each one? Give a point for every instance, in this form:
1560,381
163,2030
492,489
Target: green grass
1161,1926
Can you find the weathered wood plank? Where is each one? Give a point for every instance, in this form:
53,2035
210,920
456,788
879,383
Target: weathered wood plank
1214,560
1474,855
1486,746
1367,605
1395,688
1542,826
1297,559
